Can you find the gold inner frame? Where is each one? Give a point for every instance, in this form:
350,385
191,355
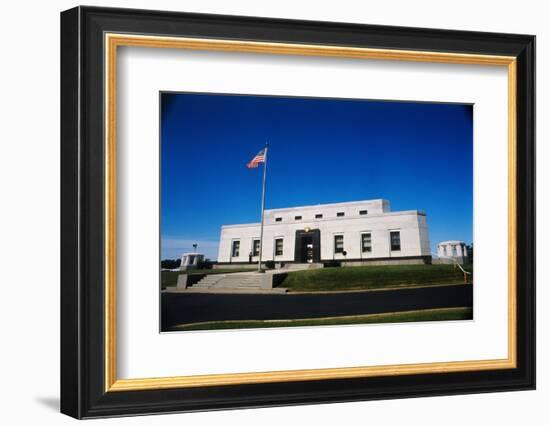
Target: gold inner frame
113,41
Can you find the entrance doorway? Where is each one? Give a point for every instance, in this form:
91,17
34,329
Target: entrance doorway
308,248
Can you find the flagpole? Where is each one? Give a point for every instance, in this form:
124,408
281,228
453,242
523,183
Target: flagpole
262,220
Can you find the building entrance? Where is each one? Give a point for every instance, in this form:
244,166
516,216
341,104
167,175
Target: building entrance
308,246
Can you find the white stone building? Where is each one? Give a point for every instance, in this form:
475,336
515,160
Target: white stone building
452,251
354,233
191,260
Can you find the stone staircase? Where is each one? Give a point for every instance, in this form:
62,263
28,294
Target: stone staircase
244,282
230,280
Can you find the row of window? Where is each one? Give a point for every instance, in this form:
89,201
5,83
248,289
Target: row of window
236,247
366,244
319,216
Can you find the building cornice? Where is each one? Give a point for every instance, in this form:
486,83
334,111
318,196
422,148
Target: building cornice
312,222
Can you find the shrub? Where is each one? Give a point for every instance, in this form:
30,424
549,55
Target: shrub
332,263
170,264
270,264
206,264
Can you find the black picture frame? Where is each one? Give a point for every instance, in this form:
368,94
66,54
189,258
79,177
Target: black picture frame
83,392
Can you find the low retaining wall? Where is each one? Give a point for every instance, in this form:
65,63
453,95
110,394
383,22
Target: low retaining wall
458,260
185,280
277,278
388,262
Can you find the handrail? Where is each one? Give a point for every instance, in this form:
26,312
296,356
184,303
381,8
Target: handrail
466,273
455,263
460,267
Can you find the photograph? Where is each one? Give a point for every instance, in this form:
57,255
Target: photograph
287,211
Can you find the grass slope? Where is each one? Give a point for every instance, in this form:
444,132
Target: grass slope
372,277
459,313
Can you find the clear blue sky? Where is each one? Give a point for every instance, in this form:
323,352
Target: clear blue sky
416,155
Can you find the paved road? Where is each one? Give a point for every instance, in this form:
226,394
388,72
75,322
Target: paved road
178,308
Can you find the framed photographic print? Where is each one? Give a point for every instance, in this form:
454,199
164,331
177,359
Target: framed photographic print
261,212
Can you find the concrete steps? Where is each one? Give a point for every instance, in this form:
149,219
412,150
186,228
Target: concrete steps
249,282
246,281
209,280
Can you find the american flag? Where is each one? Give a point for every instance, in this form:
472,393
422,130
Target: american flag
260,157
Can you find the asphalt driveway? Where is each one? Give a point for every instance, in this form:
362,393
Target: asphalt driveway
180,308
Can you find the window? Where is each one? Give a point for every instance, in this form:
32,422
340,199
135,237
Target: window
278,218
395,240
279,246
338,243
235,248
366,243
256,247
298,217
339,214
318,215
363,212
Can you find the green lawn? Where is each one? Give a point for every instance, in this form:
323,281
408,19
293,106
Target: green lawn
459,313
372,277
171,278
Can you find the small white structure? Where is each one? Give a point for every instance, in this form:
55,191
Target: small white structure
353,233
191,260
451,251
